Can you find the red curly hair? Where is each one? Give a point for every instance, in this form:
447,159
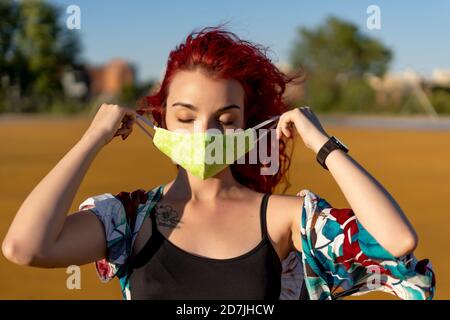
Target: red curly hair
224,55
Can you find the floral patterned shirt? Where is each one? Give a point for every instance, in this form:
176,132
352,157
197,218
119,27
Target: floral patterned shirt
339,258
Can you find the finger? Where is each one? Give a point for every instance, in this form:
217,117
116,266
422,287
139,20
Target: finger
278,130
286,131
125,136
122,131
287,127
281,122
130,113
129,123
127,118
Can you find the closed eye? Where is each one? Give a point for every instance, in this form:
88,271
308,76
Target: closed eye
226,123
186,120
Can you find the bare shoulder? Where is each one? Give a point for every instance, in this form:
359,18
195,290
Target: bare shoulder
288,208
287,202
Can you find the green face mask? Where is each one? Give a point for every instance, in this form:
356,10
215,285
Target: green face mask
204,154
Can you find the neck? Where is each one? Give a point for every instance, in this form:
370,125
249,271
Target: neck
187,186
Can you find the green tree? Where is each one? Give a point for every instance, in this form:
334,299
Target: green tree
336,56
440,99
8,25
38,47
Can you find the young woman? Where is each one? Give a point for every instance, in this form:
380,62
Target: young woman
220,235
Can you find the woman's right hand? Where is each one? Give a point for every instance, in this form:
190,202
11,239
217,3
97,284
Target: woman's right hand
110,121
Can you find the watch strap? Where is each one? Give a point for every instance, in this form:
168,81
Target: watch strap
325,150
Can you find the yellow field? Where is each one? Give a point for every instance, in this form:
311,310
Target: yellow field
414,166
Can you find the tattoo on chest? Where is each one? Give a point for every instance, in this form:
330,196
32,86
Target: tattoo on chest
166,216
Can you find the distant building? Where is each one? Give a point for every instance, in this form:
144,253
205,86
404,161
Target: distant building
395,87
110,78
441,78
85,82
398,84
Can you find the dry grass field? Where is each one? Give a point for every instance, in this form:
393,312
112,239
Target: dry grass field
413,165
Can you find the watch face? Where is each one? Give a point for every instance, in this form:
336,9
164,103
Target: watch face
339,142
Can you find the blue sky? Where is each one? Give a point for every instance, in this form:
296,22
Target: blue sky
144,32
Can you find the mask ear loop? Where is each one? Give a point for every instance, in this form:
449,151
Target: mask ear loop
147,122
262,124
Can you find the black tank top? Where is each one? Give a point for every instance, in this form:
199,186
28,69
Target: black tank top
162,270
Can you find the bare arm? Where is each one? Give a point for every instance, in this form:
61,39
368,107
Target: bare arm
41,233
373,206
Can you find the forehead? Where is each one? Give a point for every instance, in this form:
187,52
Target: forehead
199,88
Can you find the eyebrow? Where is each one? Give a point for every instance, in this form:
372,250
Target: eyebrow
194,108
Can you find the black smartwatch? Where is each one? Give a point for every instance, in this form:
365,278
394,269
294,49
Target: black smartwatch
332,144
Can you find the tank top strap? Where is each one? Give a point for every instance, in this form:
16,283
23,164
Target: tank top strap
263,210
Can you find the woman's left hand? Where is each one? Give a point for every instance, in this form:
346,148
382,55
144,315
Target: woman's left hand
307,125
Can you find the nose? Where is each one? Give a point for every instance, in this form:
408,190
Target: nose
206,124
